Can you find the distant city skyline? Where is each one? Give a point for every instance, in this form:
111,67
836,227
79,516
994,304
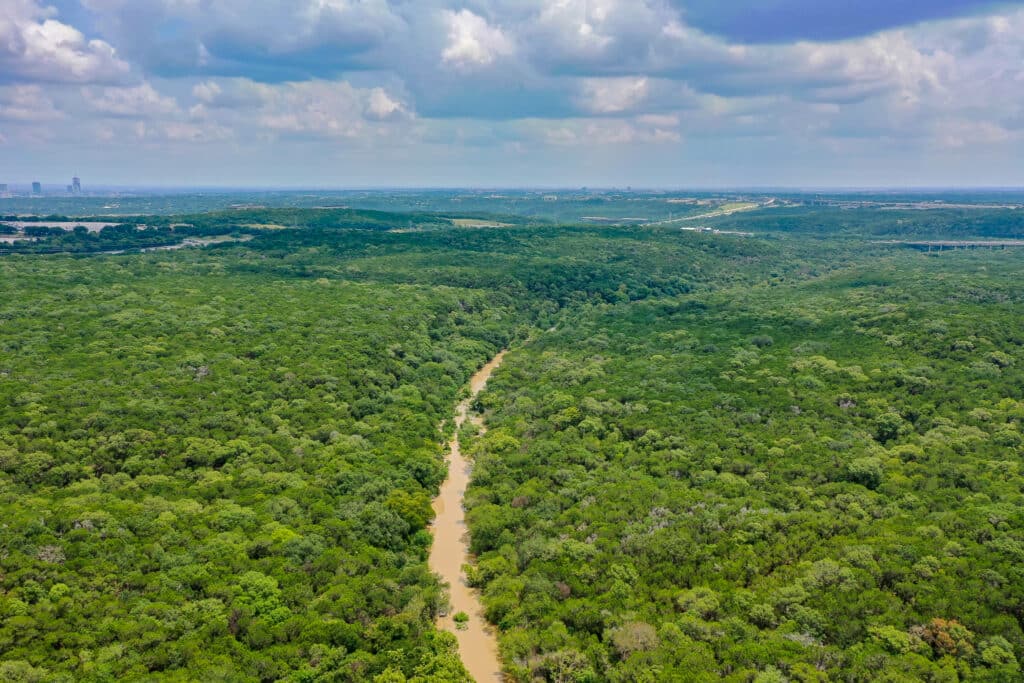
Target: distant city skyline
40,187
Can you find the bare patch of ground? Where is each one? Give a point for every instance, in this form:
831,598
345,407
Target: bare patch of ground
477,223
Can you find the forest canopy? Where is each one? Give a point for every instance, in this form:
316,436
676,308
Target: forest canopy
779,457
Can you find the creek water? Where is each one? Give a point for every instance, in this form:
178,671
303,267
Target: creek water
478,644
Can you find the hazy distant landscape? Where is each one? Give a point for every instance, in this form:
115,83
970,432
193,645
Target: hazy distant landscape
567,205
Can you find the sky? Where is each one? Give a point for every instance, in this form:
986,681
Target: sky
491,93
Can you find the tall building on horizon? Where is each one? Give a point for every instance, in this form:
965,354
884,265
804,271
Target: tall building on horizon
76,185
3,188
37,187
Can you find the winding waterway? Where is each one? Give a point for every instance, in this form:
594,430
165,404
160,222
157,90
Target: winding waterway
478,644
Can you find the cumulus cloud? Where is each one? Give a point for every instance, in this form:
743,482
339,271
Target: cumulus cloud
597,132
27,103
472,42
381,106
613,95
330,109
273,40
37,48
157,134
184,131
960,133
206,92
138,101
595,37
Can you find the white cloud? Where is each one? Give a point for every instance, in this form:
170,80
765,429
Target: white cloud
594,36
138,101
206,92
582,132
381,106
228,37
36,48
472,42
28,104
579,25
659,120
331,109
888,62
180,131
961,133
612,95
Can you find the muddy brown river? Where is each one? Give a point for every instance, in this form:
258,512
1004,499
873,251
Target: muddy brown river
478,644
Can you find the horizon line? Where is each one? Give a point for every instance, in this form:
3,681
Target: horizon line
532,188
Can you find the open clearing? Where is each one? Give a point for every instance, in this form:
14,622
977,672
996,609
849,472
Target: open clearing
727,209
477,223
264,226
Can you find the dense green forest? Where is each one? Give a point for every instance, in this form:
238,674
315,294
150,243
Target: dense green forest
817,481
217,463
791,457
132,233
221,476
882,222
808,220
